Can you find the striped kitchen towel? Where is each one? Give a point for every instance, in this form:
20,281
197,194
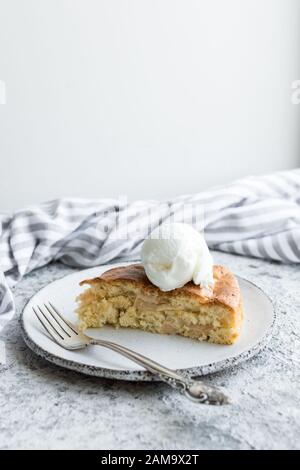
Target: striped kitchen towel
254,216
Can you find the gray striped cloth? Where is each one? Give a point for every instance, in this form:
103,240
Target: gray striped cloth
255,216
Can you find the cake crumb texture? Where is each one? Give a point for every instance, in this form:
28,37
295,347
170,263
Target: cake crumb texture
124,297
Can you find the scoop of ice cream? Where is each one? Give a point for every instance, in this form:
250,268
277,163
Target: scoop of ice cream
175,254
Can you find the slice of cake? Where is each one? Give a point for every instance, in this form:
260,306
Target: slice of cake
124,297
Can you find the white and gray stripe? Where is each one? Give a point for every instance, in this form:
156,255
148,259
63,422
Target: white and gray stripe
255,216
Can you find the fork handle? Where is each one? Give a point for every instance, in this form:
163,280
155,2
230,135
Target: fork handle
195,390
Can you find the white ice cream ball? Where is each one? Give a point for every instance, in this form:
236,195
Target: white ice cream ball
175,254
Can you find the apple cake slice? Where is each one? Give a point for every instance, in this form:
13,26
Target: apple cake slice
124,297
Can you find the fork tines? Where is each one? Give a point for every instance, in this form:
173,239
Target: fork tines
54,323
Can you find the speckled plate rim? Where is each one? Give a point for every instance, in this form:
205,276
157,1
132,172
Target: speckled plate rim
140,375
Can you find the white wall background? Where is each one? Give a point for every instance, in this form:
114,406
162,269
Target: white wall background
148,98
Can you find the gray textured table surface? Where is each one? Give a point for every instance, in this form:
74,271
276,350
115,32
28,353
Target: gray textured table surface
44,406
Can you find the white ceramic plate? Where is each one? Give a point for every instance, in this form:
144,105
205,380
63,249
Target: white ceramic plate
188,356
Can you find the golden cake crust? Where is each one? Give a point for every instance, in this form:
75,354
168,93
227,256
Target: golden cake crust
226,289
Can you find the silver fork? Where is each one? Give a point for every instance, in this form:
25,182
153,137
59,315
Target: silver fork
67,336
